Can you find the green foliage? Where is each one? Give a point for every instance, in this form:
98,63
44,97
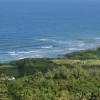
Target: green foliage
85,54
52,79
31,66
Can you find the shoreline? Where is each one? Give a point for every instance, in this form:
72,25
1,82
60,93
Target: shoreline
58,56
78,72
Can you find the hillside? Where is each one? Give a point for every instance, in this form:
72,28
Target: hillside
85,54
73,77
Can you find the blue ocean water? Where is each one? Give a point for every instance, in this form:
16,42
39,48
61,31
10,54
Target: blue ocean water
47,28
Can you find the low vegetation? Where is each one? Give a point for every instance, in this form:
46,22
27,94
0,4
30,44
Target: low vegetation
73,77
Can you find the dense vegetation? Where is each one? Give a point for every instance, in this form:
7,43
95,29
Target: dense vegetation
85,54
74,77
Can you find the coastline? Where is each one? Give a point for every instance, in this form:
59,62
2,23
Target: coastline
45,47
79,72
65,55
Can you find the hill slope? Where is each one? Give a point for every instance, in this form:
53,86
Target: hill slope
74,77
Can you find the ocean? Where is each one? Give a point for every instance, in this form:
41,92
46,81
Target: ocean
47,28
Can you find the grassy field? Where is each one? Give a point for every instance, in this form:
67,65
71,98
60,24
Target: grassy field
70,61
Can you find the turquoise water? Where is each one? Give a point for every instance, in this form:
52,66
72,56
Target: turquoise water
47,28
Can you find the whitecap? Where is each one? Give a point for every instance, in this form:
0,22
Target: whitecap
97,38
43,39
75,49
46,47
49,40
30,56
24,52
21,58
81,44
71,49
13,53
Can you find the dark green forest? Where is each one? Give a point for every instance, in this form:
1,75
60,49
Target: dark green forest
76,76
